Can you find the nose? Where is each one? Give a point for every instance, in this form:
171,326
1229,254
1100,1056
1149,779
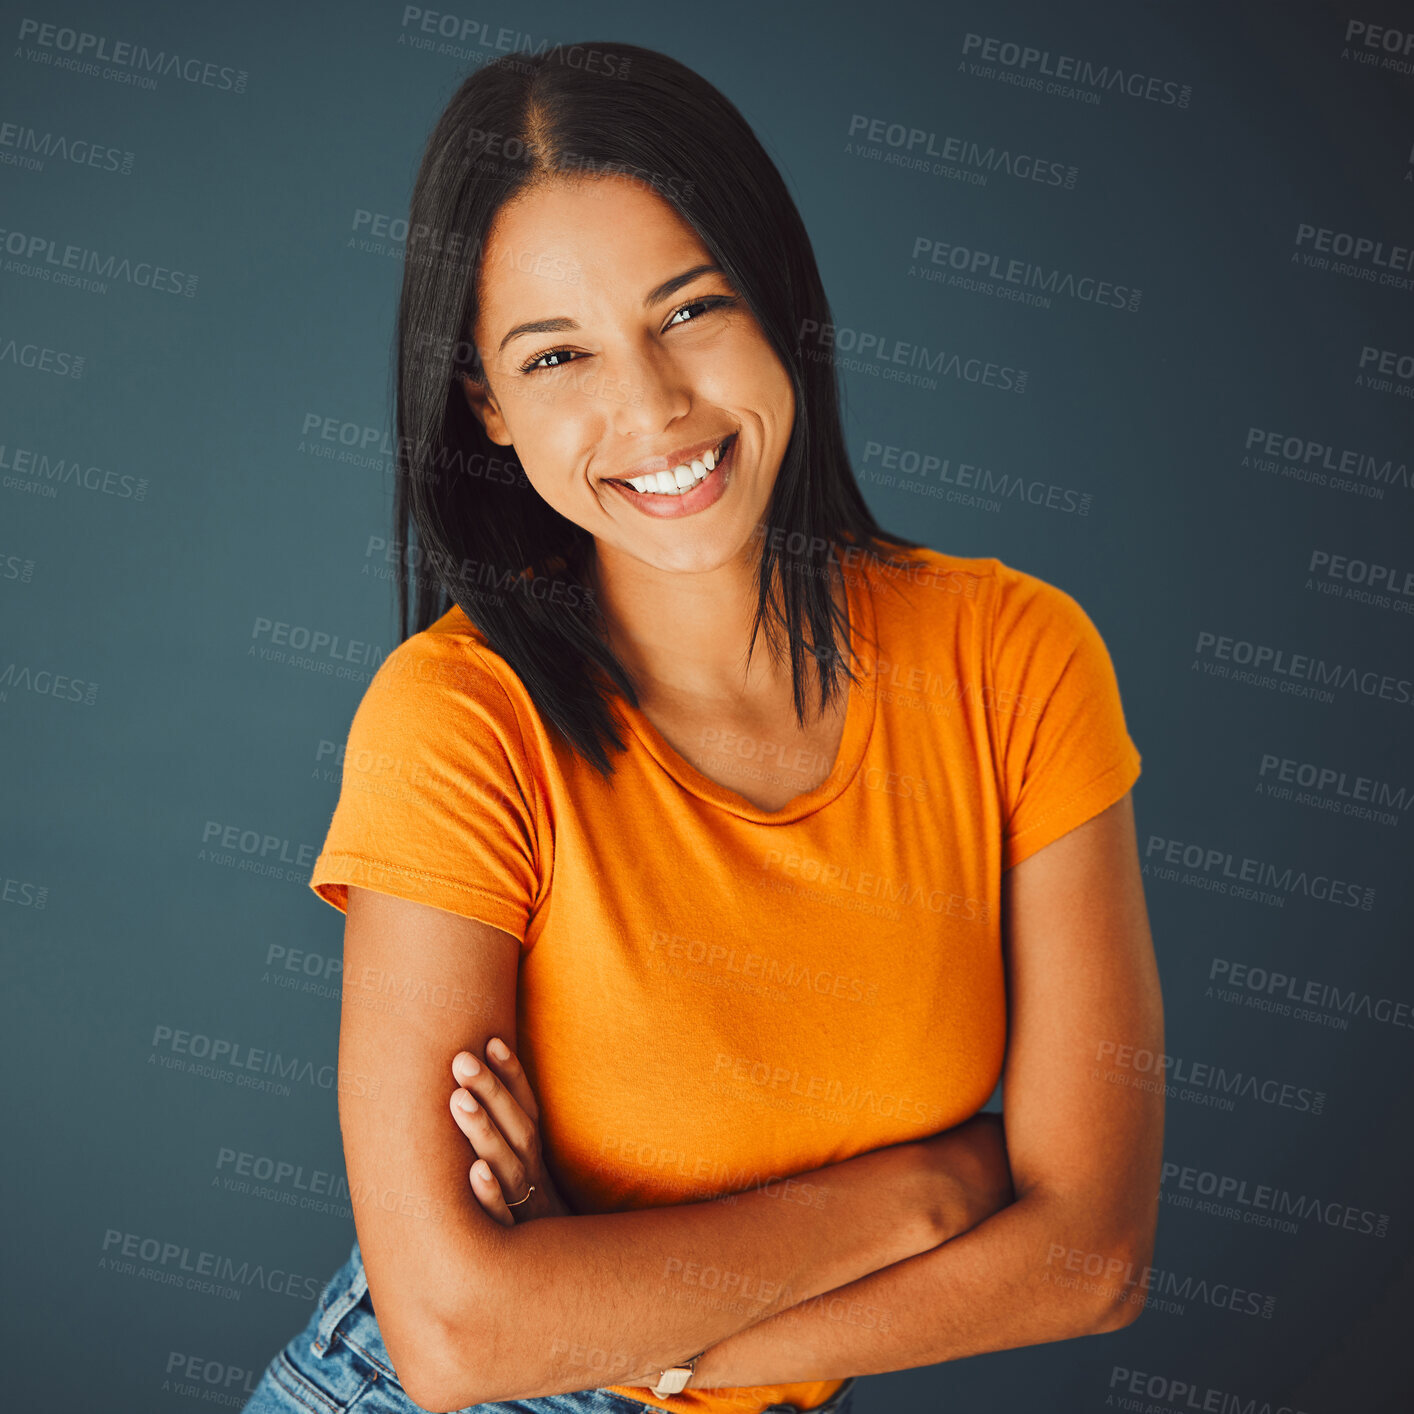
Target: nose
649,391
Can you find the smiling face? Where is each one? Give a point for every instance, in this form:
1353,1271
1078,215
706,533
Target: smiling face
612,348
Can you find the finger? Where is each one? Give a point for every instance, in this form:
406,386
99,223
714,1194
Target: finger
488,1193
507,1065
488,1141
505,1110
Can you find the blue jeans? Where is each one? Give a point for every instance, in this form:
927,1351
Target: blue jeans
338,1362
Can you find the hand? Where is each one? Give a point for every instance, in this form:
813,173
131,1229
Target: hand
503,1125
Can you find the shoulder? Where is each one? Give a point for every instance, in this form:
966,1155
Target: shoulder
920,590
1005,597
1019,616
1041,632
1021,600
445,679
449,656
957,576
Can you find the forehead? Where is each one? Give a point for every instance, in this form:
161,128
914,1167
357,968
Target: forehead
570,233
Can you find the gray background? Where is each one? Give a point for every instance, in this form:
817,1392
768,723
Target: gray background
119,917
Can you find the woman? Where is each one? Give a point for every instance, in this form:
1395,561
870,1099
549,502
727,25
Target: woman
725,949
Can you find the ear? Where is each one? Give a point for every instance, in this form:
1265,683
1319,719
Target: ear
483,404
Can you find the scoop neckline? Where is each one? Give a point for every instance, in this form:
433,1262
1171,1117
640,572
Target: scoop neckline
858,727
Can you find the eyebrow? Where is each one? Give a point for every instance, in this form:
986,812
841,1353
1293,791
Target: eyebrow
654,296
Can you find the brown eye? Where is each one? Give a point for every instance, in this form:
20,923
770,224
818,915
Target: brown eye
707,302
564,354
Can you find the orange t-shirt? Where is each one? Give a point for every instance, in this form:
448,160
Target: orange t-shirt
713,996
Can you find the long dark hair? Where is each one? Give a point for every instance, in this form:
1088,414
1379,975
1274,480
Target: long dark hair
485,539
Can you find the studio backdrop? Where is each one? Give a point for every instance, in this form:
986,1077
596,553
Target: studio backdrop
1123,296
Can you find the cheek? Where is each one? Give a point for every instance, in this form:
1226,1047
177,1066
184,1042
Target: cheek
747,374
776,394
546,439
555,475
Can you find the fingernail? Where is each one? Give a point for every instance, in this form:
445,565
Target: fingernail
468,1065
463,1101
497,1048
483,1170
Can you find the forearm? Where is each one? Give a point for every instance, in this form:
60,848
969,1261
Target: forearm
562,1304
1008,1282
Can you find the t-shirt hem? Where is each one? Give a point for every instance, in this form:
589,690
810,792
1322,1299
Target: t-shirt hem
679,1404
333,873
1083,805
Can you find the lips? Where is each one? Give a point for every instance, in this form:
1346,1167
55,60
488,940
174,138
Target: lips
717,452
689,500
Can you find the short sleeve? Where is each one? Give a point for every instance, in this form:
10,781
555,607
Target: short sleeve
437,801
1065,753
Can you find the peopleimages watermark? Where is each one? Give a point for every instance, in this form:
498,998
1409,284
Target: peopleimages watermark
19,568
243,1065
824,1089
28,148
1303,998
1201,1081
1379,46
1066,74
358,445
314,650
62,363
41,257
1364,257
219,1377
378,233
177,1261
1382,586
1183,1394
1154,1288
1332,789
969,483
769,971
1020,280
870,884
45,682
459,37
126,62
943,155
23,893
35,468
252,851
1301,674
868,351
470,577
1309,459
1262,1204
282,1171
317,641
1386,371
1200,862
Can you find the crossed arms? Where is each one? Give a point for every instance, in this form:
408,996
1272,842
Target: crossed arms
473,1312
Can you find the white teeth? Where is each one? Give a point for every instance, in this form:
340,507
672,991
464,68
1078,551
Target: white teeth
678,480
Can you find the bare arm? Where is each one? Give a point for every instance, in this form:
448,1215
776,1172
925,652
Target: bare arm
1070,1256
473,1312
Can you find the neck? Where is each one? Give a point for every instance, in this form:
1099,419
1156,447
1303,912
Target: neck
685,635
